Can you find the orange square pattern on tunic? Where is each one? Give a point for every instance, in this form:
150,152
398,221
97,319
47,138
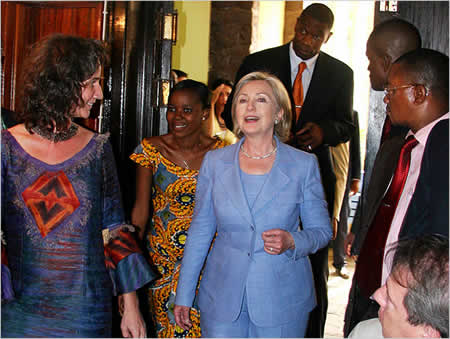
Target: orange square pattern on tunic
50,199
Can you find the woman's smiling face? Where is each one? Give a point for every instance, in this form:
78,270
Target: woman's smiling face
256,108
185,112
91,92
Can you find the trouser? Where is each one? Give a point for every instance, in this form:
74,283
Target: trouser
359,308
342,229
244,327
318,316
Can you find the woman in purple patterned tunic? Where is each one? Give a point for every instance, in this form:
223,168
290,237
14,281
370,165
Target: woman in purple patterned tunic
68,249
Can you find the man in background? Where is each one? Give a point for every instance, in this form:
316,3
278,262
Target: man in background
388,41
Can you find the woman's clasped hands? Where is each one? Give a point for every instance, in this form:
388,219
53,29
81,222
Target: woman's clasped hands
277,241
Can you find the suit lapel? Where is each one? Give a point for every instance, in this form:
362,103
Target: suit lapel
275,182
231,181
285,70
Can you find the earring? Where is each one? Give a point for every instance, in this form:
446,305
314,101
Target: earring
276,121
203,118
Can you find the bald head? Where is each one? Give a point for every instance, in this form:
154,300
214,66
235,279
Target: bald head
429,68
394,38
420,82
388,41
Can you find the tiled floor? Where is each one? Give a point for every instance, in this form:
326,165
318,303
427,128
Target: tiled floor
338,289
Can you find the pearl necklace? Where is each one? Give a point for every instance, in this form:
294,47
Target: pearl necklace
257,157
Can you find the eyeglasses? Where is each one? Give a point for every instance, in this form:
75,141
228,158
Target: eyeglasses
390,91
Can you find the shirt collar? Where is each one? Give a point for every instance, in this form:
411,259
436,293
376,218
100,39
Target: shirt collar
422,134
296,60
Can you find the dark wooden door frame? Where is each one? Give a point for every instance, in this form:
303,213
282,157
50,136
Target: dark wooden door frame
134,106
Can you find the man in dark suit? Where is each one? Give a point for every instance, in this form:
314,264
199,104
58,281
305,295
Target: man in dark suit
388,41
325,118
416,95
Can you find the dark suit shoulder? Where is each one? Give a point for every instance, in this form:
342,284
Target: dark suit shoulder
439,132
437,146
428,209
268,53
272,60
436,153
334,63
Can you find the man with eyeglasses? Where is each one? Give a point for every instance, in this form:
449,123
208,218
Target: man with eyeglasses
416,96
388,41
321,93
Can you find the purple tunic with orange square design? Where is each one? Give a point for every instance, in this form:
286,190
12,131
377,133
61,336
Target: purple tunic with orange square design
54,220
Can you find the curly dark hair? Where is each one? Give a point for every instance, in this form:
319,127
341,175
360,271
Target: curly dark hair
56,67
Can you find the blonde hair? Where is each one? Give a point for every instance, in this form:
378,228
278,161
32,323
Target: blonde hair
283,128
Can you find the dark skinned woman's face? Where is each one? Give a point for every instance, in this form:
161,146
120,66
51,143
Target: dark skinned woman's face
184,113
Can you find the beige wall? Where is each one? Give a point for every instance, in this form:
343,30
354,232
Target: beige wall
191,51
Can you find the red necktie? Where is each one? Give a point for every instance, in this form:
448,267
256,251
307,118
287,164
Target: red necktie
370,260
386,129
297,91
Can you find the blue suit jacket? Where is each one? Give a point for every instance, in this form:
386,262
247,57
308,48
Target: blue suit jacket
328,102
279,287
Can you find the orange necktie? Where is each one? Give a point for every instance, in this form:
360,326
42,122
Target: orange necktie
297,91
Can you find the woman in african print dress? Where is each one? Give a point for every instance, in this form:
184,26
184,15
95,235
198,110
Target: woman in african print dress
167,174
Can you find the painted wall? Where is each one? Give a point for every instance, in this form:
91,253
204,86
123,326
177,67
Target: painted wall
267,25
191,51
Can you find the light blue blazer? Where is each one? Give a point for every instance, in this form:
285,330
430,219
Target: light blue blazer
279,288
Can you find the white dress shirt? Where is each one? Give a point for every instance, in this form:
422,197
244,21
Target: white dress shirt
308,71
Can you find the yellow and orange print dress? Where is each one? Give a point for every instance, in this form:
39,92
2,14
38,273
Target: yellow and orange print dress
173,193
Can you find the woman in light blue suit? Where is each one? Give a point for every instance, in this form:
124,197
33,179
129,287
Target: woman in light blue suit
265,201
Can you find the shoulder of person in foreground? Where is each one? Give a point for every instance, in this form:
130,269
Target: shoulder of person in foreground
370,328
337,64
266,53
